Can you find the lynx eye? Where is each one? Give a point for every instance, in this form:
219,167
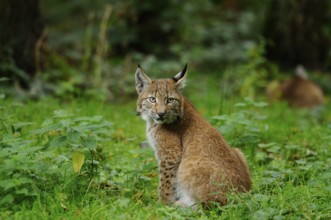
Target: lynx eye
170,100
152,99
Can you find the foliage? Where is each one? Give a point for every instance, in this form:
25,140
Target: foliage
149,28
243,125
251,78
223,37
287,151
65,160
92,49
35,160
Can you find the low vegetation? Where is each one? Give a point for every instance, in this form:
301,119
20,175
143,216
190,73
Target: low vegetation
85,159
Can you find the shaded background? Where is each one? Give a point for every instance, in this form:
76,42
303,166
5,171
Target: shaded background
91,48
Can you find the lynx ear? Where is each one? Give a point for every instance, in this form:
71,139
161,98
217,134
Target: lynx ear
142,80
180,78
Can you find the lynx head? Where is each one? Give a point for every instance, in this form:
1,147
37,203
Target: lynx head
160,101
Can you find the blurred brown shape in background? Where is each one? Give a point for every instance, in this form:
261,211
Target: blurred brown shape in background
298,91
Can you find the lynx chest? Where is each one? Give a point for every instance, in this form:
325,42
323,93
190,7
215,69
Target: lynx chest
151,132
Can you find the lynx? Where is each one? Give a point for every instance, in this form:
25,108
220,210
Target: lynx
298,91
196,164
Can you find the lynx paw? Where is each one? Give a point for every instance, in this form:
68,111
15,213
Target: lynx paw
180,204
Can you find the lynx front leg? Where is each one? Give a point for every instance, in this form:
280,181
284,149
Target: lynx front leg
167,181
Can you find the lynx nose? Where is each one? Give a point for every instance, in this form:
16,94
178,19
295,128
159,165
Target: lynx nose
161,114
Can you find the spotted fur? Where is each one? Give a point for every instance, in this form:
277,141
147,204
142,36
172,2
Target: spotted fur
195,162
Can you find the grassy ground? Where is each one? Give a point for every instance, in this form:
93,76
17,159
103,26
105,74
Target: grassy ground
288,152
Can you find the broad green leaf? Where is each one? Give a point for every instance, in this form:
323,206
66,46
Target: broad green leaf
90,143
7,199
10,183
22,124
73,137
23,191
78,159
58,141
7,184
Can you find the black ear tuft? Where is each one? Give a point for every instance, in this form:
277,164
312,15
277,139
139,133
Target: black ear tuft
179,79
139,66
181,74
185,68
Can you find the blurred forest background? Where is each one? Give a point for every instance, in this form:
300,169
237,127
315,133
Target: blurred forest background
91,48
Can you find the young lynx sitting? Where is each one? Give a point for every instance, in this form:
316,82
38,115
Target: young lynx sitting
196,164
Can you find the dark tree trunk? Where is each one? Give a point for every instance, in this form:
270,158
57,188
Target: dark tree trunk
298,32
21,27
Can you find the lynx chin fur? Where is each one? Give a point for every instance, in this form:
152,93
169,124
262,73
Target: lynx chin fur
196,164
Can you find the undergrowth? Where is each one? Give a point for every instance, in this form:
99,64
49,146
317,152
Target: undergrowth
86,160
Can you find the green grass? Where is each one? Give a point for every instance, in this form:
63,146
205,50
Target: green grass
288,151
